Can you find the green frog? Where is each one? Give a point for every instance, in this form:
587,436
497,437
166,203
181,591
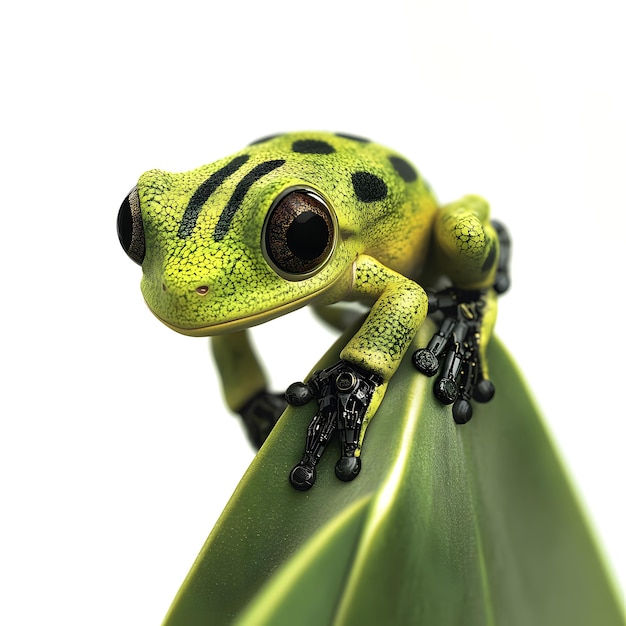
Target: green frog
315,218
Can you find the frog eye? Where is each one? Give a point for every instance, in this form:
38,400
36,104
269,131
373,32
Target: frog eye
299,234
130,227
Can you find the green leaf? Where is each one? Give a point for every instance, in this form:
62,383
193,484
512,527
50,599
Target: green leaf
446,524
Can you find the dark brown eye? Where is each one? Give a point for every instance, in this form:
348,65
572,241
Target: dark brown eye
130,227
299,234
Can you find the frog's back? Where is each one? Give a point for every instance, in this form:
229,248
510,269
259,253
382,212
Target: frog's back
378,195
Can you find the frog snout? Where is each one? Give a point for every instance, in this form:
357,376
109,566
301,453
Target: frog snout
201,290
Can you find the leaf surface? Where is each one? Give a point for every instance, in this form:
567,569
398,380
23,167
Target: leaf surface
472,525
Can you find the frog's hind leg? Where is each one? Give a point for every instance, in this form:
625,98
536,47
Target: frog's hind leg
467,243
474,254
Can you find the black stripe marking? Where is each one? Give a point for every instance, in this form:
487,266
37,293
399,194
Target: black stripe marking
204,191
239,194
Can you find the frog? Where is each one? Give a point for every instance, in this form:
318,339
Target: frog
319,219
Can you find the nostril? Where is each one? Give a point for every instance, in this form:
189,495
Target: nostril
202,290
163,287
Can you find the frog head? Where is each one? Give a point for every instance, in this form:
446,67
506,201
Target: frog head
240,241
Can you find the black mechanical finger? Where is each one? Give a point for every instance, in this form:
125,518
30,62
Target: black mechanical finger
298,394
319,432
426,359
355,389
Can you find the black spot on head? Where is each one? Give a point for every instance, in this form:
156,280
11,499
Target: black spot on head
405,170
368,187
353,137
312,146
264,139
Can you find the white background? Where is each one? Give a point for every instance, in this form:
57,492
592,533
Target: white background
116,455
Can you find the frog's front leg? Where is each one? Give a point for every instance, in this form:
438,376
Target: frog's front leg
349,392
344,392
245,386
473,252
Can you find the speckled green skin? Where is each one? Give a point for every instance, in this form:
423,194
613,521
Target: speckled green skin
202,286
